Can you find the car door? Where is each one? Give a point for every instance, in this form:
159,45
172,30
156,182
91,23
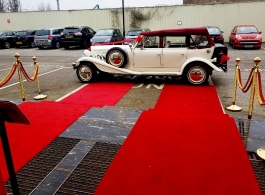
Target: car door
147,56
10,37
173,57
174,53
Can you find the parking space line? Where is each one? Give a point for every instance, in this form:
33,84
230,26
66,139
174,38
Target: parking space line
70,93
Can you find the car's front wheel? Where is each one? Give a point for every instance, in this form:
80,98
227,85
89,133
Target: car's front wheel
86,72
196,74
6,45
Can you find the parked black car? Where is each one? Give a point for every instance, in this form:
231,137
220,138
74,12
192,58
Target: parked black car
7,39
25,38
77,36
216,34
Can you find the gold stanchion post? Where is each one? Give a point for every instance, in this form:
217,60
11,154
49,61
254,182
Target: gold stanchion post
40,96
234,107
20,77
254,82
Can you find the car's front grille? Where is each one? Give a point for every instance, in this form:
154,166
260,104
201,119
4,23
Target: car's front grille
248,42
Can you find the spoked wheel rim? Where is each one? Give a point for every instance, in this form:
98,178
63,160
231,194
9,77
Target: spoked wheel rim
85,73
116,58
197,75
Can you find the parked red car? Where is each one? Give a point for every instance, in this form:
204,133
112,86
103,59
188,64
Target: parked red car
245,36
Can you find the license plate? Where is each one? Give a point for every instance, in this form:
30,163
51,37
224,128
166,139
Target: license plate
18,42
69,36
248,46
41,41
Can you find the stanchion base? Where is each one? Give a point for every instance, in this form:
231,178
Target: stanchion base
234,108
261,152
40,97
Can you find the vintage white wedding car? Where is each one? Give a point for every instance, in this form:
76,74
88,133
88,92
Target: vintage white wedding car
187,52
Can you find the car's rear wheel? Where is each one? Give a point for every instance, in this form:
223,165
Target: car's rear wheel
32,44
196,74
6,45
57,45
86,72
85,44
116,57
40,47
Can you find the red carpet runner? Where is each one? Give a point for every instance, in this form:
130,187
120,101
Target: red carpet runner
49,119
186,145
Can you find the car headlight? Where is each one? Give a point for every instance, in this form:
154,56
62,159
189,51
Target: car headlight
238,37
107,40
258,36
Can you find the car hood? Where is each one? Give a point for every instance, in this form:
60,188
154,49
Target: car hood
248,36
99,39
131,37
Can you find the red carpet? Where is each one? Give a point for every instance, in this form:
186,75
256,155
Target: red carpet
49,119
181,147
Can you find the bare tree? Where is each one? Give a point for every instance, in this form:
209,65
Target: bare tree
3,5
43,7
14,5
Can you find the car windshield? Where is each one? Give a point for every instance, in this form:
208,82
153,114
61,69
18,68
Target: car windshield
104,32
213,30
42,32
1,33
247,30
21,33
133,33
70,30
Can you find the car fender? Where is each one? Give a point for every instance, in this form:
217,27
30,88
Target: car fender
105,67
198,59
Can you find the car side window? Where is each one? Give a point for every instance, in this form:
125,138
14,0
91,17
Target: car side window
10,34
85,30
56,32
174,41
149,42
91,31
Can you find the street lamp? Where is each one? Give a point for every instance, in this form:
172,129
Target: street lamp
58,6
123,18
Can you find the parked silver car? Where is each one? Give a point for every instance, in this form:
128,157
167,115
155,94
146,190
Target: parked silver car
107,35
134,33
50,37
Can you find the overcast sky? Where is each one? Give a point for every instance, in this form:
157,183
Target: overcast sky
32,5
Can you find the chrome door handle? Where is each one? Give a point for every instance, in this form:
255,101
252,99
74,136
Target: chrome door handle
208,50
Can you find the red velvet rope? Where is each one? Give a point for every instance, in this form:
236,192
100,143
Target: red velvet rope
26,75
116,42
249,81
260,88
9,76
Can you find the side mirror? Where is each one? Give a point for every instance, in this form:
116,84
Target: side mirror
233,33
115,35
260,32
222,31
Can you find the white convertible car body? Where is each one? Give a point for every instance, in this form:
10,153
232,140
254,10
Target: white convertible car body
188,52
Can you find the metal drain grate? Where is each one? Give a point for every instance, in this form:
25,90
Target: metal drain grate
259,169
88,174
42,164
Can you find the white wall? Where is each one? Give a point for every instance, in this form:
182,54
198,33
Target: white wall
225,16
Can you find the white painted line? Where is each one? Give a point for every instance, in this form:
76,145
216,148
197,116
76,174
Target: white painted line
5,69
71,93
26,80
